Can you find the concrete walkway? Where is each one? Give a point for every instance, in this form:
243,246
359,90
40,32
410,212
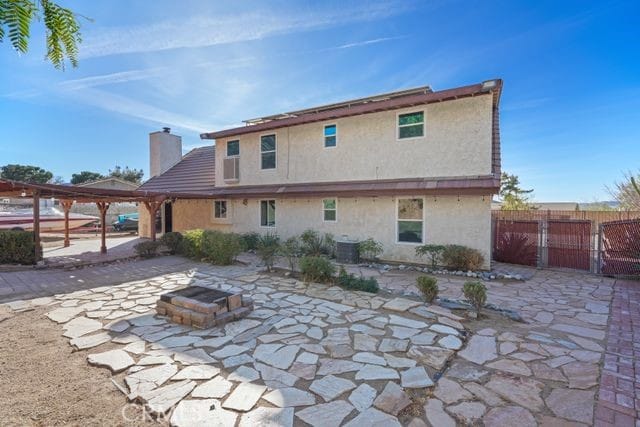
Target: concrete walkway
29,284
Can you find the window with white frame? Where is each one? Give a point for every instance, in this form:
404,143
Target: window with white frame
268,151
330,210
410,220
220,209
268,213
330,136
233,148
411,125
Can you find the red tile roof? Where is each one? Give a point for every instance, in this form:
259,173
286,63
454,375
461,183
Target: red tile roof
481,185
488,87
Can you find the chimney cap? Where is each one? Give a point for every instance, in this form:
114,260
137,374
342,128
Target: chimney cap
166,129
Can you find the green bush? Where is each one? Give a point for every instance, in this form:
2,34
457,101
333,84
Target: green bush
433,251
147,248
315,245
349,281
220,248
462,258
369,249
250,241
476,294
290,249
316,269
17,247
173,241
428,287
267,249
191,245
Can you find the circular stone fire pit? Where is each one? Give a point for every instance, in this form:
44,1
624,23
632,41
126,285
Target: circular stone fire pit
202,307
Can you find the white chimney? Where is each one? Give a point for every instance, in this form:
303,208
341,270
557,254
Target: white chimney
165,151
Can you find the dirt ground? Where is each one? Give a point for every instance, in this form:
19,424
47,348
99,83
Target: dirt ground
42,382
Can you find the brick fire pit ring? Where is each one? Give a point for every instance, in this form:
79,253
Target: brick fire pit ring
202,307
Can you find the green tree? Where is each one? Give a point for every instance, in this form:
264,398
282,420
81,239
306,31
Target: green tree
132,175
62,28
85,176
513,196
627,192
25,173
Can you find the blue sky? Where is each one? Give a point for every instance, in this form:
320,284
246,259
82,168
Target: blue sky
570,109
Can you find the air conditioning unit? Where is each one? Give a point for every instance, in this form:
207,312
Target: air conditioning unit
231,172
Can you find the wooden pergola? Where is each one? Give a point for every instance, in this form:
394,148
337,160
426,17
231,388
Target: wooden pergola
103,198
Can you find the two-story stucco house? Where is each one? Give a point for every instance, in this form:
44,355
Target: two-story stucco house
406,168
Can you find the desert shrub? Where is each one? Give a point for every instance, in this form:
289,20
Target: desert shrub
17,247
462,258
250,241
515,248
476,294
267,249
147,248
191,245
428,287
220,248
434,252
173,241
349,281
313,244
316,269
369,249
290,249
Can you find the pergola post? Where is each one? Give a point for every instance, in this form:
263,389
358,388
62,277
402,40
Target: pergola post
66,206
152,207
36,225
103,207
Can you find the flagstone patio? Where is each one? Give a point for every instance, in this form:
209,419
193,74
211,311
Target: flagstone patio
319,355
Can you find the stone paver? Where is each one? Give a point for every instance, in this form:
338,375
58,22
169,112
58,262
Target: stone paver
332,357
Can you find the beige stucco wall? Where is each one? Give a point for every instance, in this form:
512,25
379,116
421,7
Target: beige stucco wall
165,150
447,219
457,142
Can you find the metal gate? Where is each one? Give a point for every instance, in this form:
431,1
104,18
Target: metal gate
516,242
620,248
568,244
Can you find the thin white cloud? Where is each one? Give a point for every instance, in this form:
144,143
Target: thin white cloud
136,109
149,73
201,31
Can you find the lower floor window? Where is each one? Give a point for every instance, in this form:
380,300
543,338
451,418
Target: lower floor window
268,213
329,210
410,220
220,209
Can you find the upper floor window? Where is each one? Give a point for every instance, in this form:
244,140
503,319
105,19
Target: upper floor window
411,125
268,151
268,213
410,220
329,210
220,209
233,148
330,137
